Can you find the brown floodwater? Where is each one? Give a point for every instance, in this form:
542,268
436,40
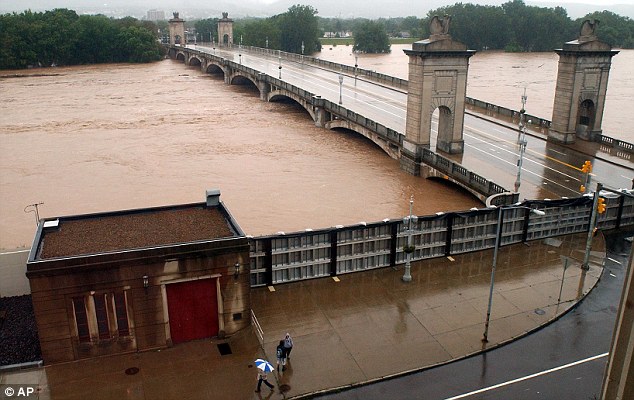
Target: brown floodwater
110,137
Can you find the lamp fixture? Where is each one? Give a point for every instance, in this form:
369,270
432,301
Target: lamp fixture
236,270
146,283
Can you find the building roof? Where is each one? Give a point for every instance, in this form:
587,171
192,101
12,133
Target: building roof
133,229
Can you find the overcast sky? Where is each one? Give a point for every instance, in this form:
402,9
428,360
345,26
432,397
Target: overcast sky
326,8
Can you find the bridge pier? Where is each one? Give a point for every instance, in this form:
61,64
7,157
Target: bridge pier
321,115
263,86
412,158
582,82
438,69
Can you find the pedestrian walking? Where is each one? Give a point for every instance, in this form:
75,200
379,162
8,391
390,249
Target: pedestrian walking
281,356
263,367
262,377
288,345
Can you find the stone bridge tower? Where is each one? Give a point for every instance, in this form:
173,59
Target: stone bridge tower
177,30
438,69
225,30
582,81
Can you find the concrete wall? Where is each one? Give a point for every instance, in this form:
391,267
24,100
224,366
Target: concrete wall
13,272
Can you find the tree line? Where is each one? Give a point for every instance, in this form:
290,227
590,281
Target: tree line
61,37
512,26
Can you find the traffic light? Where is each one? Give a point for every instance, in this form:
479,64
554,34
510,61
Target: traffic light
586,168
600,205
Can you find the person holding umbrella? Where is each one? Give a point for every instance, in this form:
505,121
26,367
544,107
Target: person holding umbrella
263,367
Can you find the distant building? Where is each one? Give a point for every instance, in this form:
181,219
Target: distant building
136,280
156,15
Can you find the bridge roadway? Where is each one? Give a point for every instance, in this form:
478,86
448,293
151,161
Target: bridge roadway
491,150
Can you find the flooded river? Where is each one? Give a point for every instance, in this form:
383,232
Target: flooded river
109,137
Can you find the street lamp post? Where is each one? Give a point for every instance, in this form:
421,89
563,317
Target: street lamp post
240,41
498,238
302,51
279,55
356,66
267,42
409,248
340,88
593,222
240,58
521,141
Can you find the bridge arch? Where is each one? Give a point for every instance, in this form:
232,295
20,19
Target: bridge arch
213,68
389,148
180,56
277,94
238,78
585,117
194,61
445,126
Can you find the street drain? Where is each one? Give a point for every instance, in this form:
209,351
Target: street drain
285,388
132,371
224,349
539,311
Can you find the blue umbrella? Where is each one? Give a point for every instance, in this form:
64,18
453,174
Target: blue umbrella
263,365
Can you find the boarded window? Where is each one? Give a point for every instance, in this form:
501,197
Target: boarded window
81,319
122,314
102,316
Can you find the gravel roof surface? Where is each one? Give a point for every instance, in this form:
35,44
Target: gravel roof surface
105,233
19,342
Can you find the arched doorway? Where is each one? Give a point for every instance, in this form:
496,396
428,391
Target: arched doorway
585,117
445,126
225,40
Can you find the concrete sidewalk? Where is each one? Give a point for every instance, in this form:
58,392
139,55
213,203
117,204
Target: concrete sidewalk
365,327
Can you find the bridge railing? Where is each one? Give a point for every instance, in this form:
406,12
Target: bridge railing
338,250
467,178
333,66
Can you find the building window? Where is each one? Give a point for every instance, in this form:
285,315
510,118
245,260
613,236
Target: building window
121,310
102,316
105,317
81,319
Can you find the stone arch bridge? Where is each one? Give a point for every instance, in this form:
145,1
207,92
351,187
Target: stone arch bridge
330,115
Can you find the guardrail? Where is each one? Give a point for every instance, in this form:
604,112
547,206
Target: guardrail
259,332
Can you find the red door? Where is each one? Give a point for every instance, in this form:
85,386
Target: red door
193,310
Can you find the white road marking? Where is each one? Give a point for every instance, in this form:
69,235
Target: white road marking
15,252
613,260
524,378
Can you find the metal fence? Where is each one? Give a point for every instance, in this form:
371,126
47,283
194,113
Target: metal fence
338,250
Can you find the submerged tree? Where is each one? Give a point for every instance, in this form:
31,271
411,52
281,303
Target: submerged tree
371,37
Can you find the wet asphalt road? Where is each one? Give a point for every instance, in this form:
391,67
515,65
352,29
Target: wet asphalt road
584,332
